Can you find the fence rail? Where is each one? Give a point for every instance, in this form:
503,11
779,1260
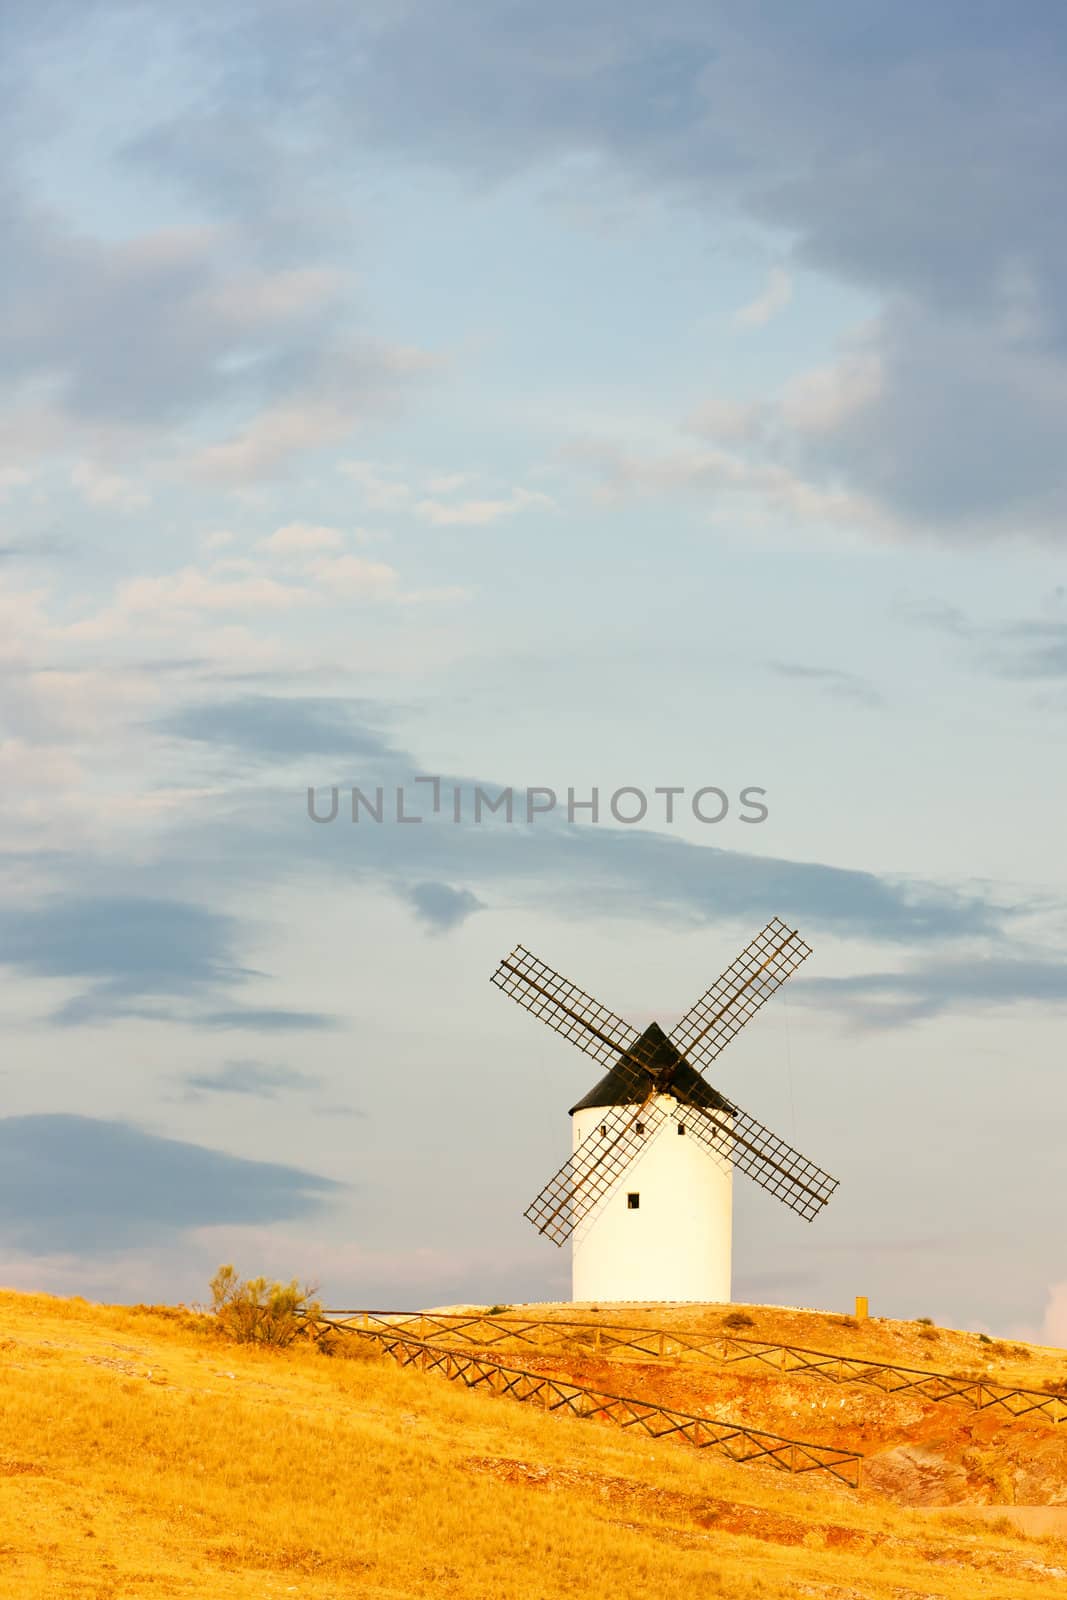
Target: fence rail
485,1331
554,1394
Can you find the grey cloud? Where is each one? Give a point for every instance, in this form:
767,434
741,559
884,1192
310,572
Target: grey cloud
168,958
892,999
144,956
441,907
837,683
640,872
918,155
914,154
155,946
74,1183
273,727
1033,650
45,547
850,134
1028,649
148,333
259,1079
135,331
962,433
268,1019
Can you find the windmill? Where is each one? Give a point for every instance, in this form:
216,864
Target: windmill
654,1119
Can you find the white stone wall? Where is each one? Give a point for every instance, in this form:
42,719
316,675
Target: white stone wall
676,1244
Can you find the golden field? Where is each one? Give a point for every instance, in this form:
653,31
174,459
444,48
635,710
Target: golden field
143,1455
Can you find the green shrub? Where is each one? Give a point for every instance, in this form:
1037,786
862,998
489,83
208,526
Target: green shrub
253,1311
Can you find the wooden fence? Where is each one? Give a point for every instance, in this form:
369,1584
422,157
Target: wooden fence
485,1331
572,1399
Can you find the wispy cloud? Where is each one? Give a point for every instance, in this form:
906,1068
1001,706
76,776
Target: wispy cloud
834,681
769,302
981,982
480,513
260,1080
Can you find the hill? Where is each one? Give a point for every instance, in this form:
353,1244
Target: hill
141,1454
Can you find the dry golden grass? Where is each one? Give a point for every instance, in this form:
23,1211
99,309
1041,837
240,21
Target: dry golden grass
140,1455
907,1344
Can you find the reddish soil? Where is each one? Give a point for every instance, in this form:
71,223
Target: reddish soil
917,1451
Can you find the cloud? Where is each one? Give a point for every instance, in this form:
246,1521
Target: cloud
723,478
224,587
946,424
729,421
74,1183
892,999
733,111
100,488
837,683
141,956
298,537
154,945
993,472
640,872
258,1079
441,907
185,331
278,728
158,341
1029,649
1034,649
329,394
480,513
380,491
774,298
354,575
267,1019
383,491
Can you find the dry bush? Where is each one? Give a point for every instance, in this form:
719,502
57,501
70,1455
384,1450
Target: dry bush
738,1320
253,1311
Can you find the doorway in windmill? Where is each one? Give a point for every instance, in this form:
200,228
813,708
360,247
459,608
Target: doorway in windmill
633,1202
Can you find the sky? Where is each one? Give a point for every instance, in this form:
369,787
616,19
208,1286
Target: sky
557,398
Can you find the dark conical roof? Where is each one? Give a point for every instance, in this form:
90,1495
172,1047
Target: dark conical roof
618,1086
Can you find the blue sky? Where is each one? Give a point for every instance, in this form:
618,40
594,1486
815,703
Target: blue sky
561,396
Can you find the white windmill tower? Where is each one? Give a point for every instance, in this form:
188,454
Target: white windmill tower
654,1120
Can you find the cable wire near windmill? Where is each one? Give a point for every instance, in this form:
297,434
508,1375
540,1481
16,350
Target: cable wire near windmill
670,1238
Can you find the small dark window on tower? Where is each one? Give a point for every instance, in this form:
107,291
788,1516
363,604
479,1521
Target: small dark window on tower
681,1127
603,1129
640,1127
633,1202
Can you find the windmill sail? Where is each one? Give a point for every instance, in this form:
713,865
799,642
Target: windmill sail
748,1146
736,996
593,1169
565,1007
